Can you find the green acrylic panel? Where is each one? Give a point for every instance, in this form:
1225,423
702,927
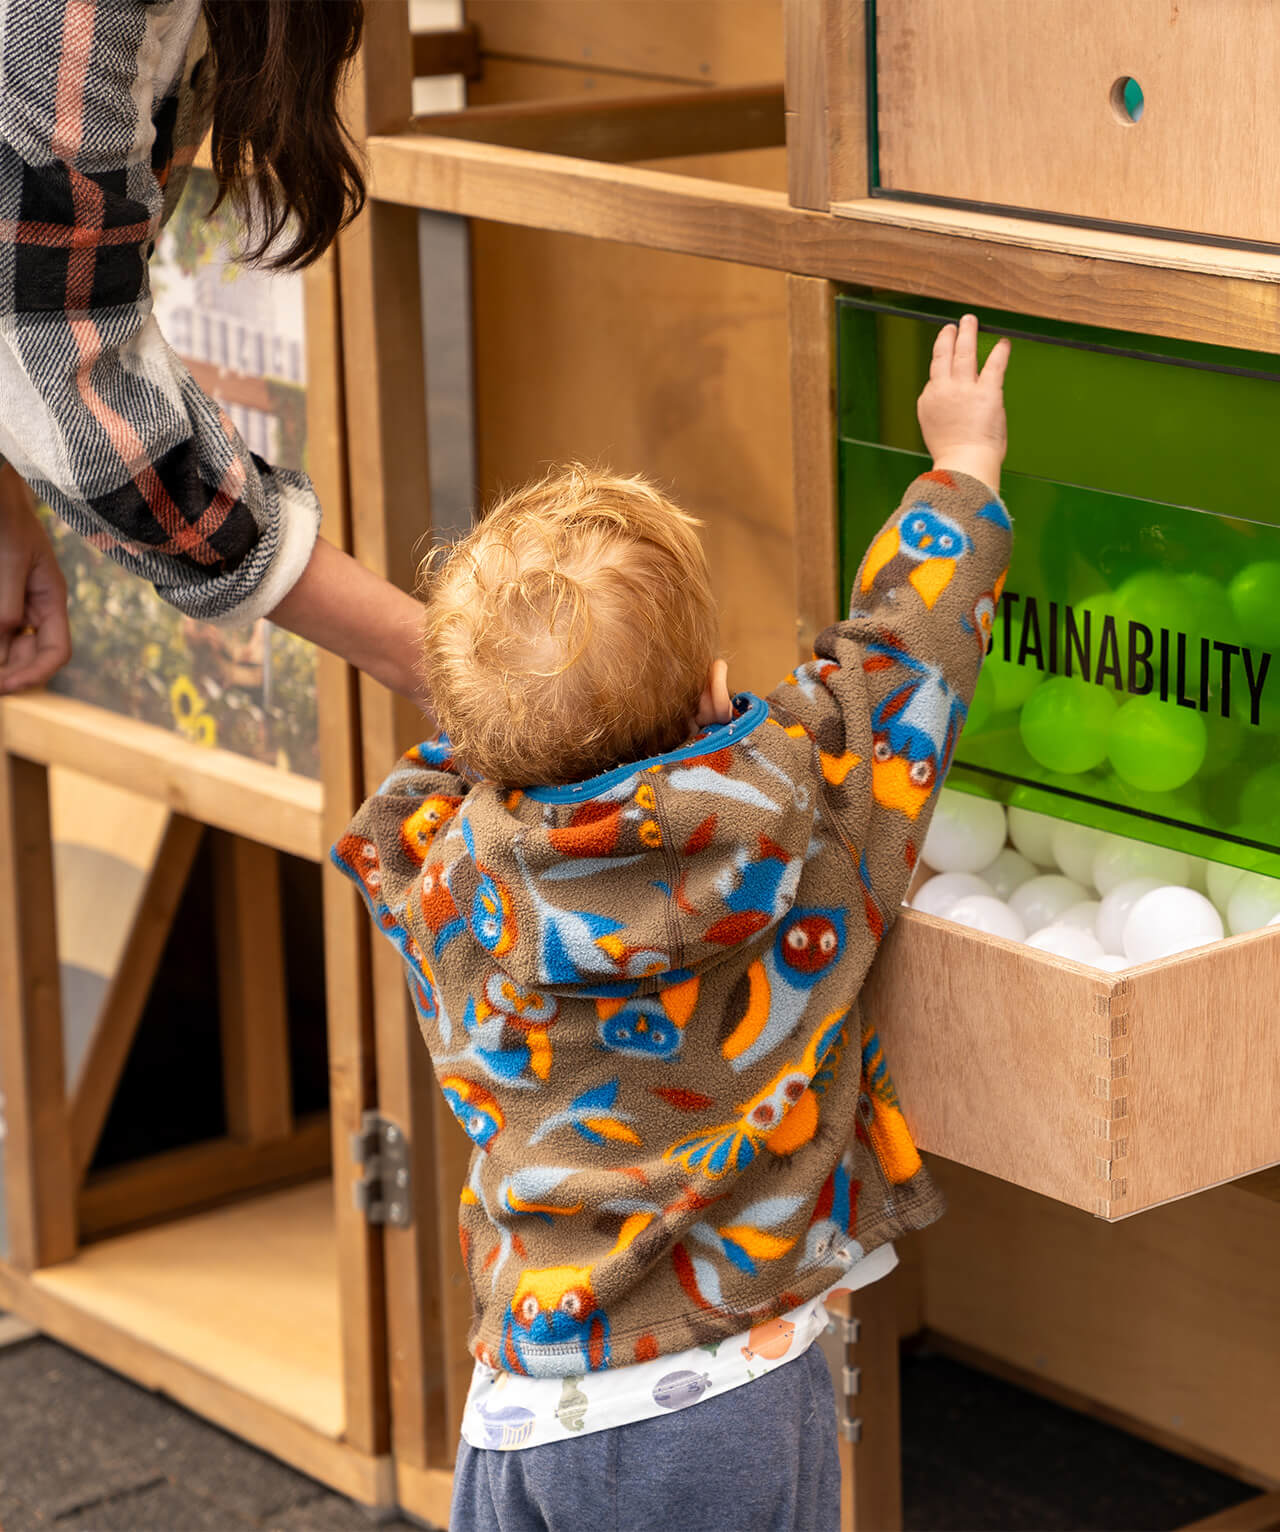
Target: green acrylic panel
1132,682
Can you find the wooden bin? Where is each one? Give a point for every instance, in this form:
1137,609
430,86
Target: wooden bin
1005,105
1111,1092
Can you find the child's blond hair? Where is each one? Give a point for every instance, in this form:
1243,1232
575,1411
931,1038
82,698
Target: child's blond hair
571,631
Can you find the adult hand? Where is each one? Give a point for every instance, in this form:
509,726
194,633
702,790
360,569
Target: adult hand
35,639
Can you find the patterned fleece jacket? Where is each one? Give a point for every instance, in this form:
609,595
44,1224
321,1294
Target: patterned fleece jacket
640,992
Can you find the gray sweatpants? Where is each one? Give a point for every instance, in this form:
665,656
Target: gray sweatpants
761,1458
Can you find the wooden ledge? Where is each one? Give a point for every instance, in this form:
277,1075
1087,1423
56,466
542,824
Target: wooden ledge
1154,286
216,787
711,120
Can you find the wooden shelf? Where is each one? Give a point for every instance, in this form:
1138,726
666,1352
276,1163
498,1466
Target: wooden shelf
216,787
1161,287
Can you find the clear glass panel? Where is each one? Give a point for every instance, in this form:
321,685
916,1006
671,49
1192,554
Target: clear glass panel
1131,683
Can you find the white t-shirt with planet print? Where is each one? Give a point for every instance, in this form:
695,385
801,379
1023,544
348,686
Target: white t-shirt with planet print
505,1412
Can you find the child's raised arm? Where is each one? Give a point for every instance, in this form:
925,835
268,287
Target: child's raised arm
887,691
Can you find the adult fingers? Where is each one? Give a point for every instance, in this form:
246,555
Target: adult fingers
944,346
964,362
998,362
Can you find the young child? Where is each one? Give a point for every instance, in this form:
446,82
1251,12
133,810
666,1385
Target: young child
636,915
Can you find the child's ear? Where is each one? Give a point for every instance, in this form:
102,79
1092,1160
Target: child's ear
715,705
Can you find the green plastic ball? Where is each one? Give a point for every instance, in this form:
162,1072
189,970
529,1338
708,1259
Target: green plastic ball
1013,683
1226,741
983,705
1157,599
1065,724
1255,599
1099,606
1156,746
1260,796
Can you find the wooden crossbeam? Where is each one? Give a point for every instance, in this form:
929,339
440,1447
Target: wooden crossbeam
1160,287
180,1181
117,1021
252,998
218,787
455,50
713,120
1259,1514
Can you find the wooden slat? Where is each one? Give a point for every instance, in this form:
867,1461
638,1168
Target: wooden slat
217,787
39,1185
1161,287
349,1004
1260,1514
870,1468
390,516
455,51
811,330
126,996
714,120
199,1176
252,999
808,166
727,41
848,162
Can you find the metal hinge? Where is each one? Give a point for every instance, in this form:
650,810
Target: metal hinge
385,1195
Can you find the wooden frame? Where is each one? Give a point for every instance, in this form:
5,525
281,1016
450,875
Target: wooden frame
81,1291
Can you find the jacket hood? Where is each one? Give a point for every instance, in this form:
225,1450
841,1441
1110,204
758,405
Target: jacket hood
602,888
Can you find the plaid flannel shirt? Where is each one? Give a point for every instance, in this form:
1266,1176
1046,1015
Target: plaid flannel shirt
101,110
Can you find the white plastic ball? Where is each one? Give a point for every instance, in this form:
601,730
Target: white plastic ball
1114,911
1111,962
1010,870
1041,900
1122,860
938,895
965,834
1274,921
1221,880
1032,834
1254,900
1075,847
1169,920
981,912
1068,942
1198,877
1083,916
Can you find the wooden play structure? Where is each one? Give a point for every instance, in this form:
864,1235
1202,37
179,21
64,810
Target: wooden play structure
628,246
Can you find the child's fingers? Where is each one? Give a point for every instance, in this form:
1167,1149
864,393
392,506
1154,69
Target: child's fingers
997,363
943,350
964,364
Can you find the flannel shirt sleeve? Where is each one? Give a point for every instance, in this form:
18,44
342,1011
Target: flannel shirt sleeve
96,411
890,687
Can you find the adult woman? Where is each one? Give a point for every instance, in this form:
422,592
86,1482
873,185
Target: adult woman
102,104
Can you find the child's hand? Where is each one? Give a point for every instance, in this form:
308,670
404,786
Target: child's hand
962,413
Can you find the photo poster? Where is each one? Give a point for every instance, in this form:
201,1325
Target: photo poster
252,689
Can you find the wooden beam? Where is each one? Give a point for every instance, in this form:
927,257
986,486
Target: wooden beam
811,328
714,120
808,168
1161,287
39,1186
252,998
347,934
199,1176
217,787
452,51
871,1467
122,1006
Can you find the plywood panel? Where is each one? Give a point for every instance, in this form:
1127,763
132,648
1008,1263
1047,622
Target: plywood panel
652,363
1170,1318
1042,132
249,1294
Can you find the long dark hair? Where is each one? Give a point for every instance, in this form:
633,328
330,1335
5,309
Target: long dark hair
280,148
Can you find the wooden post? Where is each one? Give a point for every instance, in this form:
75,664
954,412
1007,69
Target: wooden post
352,1087
869,1420
826,88
39,1181
811,326
251,991
390,521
